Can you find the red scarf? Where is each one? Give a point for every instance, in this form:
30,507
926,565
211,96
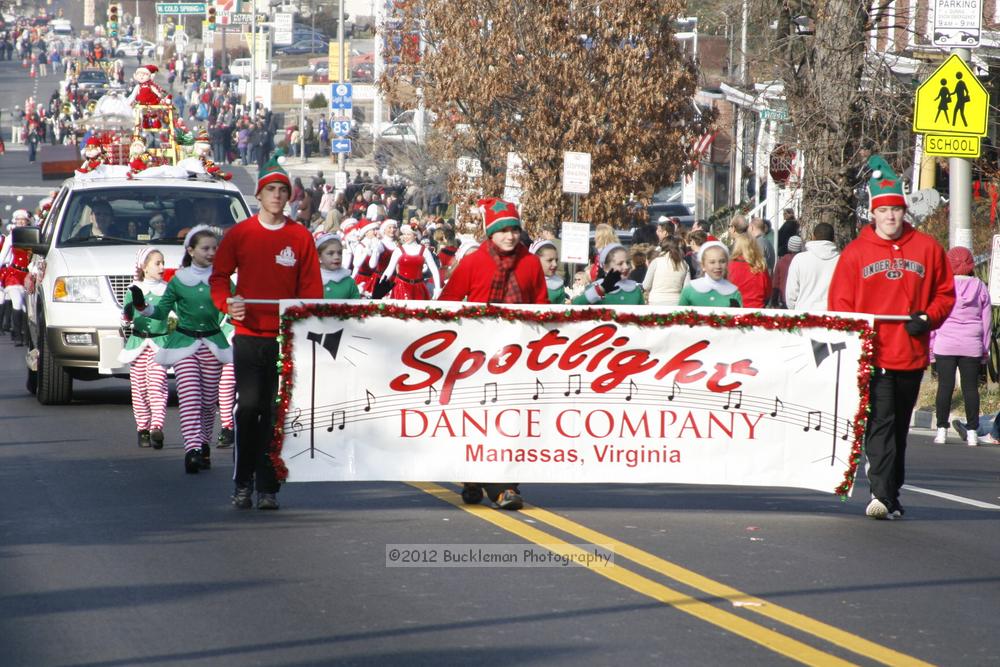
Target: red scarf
503,286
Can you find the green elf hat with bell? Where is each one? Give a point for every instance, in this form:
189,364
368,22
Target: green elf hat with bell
498,214
272,172
885,187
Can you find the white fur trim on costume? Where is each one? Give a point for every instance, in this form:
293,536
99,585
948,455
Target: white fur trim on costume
192,275
168,356
128,356
591,293
554,282
335,276
706,284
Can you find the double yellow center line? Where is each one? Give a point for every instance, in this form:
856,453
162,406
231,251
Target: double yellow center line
770,639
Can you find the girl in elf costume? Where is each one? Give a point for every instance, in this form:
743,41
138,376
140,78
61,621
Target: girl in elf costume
337,281
147,378
407,263
197,348
548,255
615,289
712,289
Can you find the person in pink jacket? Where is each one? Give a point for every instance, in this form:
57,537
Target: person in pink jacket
962,342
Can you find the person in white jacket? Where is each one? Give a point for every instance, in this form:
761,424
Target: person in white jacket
810,273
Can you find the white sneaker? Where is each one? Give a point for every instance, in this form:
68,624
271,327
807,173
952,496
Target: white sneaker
972,439
877,510
942,436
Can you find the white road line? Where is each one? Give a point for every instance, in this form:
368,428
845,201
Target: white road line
952,497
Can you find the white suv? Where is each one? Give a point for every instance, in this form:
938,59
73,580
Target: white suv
84,259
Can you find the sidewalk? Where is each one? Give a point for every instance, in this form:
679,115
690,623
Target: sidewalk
327,164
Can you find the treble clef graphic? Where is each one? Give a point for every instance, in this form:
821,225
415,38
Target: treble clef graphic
296,425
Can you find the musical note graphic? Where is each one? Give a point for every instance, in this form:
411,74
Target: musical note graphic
333,420
674,391
809,420
847,429
632,389
539,390
729,399
370,398
296,424
569,384
431,393
486,387
777,402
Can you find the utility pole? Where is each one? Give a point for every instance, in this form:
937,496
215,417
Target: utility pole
341,158
960,191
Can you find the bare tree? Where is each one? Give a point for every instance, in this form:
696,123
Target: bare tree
540,78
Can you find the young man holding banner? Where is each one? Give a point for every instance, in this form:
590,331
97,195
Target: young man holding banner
501,270
892,269
276,259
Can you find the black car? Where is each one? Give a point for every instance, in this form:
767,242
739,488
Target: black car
677,210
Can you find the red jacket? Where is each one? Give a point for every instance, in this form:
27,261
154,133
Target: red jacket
472,277
755,288
897,277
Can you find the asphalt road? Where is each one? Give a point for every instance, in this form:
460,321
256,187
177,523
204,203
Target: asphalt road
111,555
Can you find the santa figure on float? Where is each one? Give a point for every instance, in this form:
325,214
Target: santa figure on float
93,156
139,157
147,92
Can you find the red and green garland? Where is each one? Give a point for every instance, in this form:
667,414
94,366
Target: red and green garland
688,318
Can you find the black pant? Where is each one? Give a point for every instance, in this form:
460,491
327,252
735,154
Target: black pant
255,361
968,371
893,394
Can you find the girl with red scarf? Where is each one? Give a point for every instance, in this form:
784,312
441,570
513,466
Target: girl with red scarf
501,270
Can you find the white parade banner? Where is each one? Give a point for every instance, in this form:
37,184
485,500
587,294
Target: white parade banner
457,392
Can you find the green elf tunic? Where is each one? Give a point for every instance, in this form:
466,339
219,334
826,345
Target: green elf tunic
626,293
707,292
198,320
338,284
557,290
146,332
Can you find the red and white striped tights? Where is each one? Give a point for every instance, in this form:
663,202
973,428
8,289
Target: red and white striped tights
227,396
197,396
149,390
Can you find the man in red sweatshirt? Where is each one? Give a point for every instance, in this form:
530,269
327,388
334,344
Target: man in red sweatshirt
500,271
892,269
276,259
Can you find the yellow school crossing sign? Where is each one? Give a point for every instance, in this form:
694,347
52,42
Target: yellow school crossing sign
951,101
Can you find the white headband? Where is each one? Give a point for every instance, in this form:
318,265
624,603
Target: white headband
143,255
194,230
607,250
712,244
539,244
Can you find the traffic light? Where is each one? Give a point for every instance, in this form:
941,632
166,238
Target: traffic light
211,15
113,20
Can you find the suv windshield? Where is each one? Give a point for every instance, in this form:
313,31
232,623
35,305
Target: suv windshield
134,215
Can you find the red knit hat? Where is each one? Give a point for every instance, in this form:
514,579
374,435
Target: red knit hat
498,214
962,263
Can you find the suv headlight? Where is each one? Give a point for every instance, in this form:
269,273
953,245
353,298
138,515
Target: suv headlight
77,289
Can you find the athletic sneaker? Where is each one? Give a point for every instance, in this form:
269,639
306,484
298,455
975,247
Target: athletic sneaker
510,500
267,501
959,427
988,440
972,439
942,436
243,497
878,509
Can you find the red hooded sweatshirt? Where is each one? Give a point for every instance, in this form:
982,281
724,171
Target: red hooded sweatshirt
897,277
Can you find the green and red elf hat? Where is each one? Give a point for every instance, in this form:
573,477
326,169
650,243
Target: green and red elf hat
272,172
498,214
885,188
